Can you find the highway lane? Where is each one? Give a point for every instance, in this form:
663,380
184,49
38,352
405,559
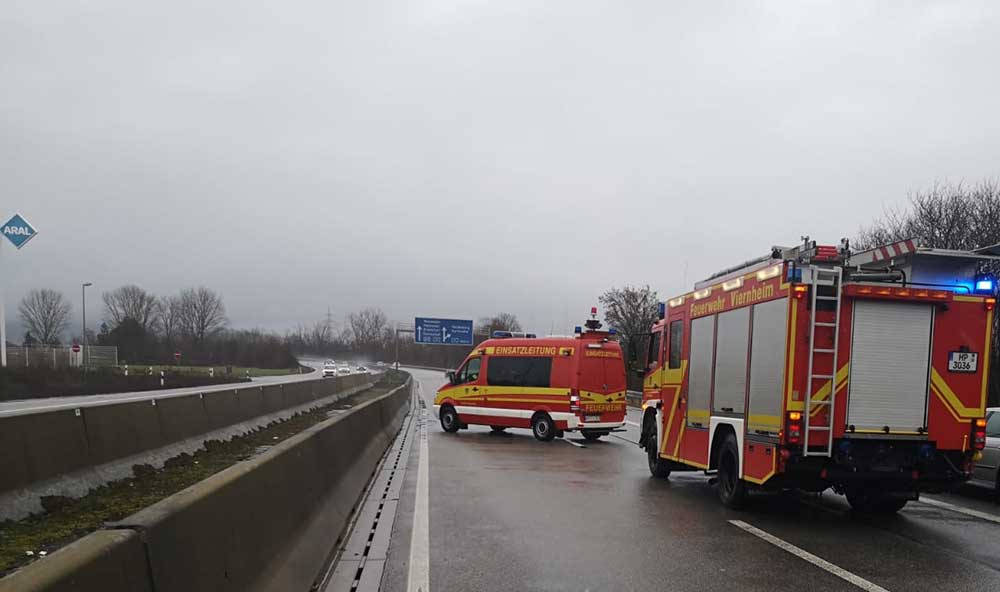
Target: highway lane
28,406
507,512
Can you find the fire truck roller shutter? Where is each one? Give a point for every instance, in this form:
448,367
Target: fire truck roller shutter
767,365
732,342
890,357
700,371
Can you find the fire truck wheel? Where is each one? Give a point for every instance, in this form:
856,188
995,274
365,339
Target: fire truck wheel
732,489
542,427
658,467
449,419
498,429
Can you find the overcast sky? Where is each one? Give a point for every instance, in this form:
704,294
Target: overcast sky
463,157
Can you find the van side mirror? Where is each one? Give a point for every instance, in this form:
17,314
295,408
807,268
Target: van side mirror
451,376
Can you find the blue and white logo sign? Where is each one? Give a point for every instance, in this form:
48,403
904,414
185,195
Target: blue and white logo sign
18,231
442,331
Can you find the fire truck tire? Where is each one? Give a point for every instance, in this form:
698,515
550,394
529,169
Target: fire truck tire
449,419
542,427
658,467
732,489
498,429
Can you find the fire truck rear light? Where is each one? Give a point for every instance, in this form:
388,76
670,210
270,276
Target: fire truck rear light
903,292
884,292
865,290
800,291
922,293
785,454
823,474
915,475
940,294
990,303
980,423
794,415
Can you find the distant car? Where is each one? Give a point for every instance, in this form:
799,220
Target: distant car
987,471
329,368
362,370
380,364
343,370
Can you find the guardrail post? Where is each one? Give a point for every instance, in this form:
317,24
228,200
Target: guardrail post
248,374
126,369
161,377
211,372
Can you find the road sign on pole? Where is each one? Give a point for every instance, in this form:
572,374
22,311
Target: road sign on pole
18,231
442,331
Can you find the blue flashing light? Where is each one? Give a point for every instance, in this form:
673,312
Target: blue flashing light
612,331
578,329
985,284
502,334
662,309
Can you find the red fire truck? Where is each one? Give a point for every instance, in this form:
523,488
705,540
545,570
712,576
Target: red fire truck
814,367
549,385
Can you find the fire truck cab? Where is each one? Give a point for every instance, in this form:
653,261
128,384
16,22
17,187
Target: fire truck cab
813,367
549,385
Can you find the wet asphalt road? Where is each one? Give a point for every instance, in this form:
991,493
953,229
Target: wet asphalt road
509,513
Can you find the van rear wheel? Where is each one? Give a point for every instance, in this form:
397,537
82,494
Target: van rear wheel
449,419
542,427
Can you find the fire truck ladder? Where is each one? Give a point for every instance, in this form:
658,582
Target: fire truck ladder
822,276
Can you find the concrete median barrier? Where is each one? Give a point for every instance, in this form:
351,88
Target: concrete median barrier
268,523
67,452
104,561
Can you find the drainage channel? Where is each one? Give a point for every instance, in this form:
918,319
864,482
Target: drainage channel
362,560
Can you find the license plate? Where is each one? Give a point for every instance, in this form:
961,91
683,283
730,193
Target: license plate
962,361
591,418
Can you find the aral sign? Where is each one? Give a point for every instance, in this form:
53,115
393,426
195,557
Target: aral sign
18,231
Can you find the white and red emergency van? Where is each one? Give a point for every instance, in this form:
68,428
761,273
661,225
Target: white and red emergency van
550,385
814,367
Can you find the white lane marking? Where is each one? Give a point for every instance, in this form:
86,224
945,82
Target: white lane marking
806,555
419,578
960,509
632,423
577,444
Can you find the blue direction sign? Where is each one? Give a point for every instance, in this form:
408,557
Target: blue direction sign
442,331
18,231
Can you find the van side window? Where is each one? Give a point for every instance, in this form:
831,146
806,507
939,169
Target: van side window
526,371
653,354
471,373
676,343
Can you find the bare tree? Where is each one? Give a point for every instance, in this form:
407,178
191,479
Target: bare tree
131,302
503,321
368,330
46,315
168,312
948,216
202,313
631,312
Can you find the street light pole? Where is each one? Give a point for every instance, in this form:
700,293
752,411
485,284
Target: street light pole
83,291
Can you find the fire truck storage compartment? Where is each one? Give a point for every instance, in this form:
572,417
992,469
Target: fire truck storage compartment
890,357
700,374
767,365
732,342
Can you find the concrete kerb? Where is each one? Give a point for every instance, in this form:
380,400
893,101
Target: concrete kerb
23,491
267,523
103,561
